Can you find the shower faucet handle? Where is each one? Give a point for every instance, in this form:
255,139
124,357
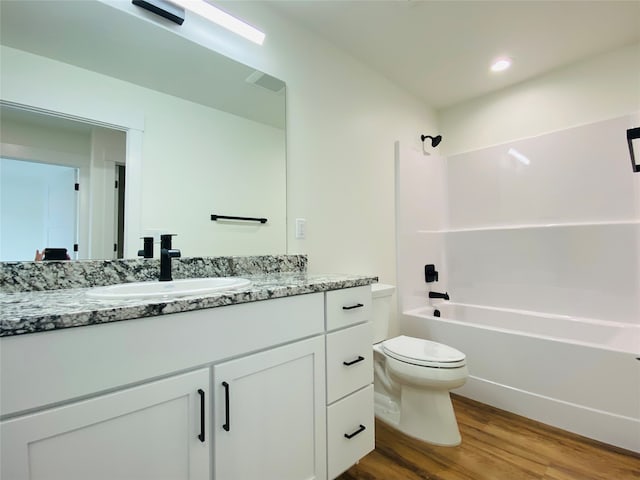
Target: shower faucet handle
430,273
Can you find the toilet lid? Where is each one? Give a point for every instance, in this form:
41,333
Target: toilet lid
418,351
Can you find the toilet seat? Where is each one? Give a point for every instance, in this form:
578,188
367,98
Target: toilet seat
425,353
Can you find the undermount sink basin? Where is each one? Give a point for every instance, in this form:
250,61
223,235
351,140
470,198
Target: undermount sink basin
172,289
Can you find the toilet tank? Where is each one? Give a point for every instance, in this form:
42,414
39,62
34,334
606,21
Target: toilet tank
381,294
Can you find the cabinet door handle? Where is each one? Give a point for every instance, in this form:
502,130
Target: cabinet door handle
226,425
353,362
360,429
351,307
202,413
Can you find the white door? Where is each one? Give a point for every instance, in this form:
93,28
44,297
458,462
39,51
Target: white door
150,432
38,208
269,420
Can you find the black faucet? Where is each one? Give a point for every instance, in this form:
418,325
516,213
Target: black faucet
444,296
166,254
147,252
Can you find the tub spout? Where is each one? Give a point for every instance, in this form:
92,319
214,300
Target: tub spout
444,296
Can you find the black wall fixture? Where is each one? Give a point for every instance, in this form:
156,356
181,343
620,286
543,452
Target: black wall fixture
163,8
435,141
215,218
633,134
430,273
147,251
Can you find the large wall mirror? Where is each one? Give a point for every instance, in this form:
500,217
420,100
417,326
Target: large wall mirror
158,131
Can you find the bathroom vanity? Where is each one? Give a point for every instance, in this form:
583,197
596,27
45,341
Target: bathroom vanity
221,386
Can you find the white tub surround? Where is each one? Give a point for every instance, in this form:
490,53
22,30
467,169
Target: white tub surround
537,242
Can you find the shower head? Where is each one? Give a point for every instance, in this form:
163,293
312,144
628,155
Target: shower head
435,141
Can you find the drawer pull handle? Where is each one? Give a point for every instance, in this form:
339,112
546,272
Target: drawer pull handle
353,362
226,425
351,307
202,410
349,436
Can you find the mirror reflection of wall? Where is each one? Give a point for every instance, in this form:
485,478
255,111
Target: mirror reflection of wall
209,137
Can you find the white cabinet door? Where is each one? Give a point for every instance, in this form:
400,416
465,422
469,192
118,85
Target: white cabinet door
149,432
269,420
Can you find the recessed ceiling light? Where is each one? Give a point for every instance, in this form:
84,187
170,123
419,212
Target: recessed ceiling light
501,64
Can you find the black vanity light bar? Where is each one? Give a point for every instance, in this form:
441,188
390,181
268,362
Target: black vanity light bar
227,217
163,8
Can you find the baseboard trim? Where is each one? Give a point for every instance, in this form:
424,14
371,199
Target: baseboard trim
617,430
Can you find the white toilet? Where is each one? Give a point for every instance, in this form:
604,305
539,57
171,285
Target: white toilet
413,377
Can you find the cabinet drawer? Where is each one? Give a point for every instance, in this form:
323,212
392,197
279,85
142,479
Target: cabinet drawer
350,417
348,307
349,360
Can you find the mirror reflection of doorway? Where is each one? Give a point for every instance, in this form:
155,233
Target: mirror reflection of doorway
93,151
38,208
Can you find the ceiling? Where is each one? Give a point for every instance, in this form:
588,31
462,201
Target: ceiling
441,50
438,50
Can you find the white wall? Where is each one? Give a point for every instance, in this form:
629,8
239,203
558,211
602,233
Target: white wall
598,88
342,122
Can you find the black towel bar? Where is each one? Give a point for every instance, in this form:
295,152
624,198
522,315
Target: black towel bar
248,219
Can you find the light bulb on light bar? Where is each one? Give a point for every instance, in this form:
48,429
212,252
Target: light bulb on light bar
214,14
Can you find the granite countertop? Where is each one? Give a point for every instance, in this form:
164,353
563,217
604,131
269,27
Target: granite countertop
31,312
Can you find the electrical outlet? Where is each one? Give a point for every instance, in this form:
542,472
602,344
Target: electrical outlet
301,228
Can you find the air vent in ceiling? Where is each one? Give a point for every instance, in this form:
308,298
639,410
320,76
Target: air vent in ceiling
266,81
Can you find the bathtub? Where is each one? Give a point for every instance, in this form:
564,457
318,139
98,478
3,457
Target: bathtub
580,375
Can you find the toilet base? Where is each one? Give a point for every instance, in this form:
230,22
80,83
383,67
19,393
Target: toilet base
426,416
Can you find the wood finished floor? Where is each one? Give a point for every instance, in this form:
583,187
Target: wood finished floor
496,445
